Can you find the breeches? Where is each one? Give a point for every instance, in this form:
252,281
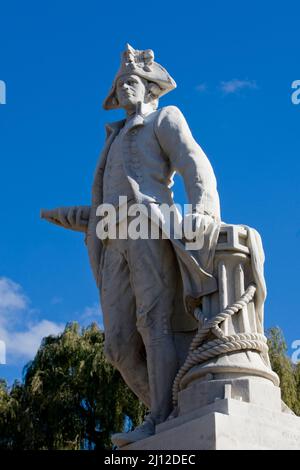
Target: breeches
138,292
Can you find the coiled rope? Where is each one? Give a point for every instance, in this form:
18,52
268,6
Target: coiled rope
200,351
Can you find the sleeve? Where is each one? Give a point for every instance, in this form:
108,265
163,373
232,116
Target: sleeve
189,160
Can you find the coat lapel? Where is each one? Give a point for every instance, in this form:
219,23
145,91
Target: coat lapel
114,127
94,245
112,130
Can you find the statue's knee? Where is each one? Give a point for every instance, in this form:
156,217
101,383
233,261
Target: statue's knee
114,354
153,324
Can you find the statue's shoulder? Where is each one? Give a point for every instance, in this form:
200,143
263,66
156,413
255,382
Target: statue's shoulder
169,115
169,111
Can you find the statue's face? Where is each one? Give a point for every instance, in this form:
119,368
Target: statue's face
130,90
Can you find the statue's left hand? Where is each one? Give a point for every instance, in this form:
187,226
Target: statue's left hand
74,217
195,224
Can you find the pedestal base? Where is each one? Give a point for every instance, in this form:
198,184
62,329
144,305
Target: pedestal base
226,424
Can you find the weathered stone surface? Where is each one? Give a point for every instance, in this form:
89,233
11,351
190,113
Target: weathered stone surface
226,425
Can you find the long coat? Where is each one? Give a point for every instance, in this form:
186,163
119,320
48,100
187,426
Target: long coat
163,144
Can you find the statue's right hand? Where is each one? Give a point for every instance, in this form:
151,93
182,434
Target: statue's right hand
74,217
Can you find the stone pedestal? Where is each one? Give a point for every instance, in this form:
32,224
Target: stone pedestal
226,394
249,416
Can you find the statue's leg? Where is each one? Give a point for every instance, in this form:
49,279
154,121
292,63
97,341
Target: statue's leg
153,268
124,347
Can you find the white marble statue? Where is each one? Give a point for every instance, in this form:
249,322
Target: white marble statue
155,292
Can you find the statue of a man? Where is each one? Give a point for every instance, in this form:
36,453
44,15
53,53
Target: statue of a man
148,287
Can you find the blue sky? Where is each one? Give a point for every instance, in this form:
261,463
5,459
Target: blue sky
234,63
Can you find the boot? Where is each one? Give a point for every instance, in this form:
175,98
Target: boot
146,429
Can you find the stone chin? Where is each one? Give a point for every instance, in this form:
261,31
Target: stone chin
127,100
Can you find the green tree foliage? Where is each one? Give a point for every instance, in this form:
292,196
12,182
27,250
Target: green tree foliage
289,374
71,397
9,413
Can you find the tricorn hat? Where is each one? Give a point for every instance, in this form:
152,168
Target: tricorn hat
140,63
